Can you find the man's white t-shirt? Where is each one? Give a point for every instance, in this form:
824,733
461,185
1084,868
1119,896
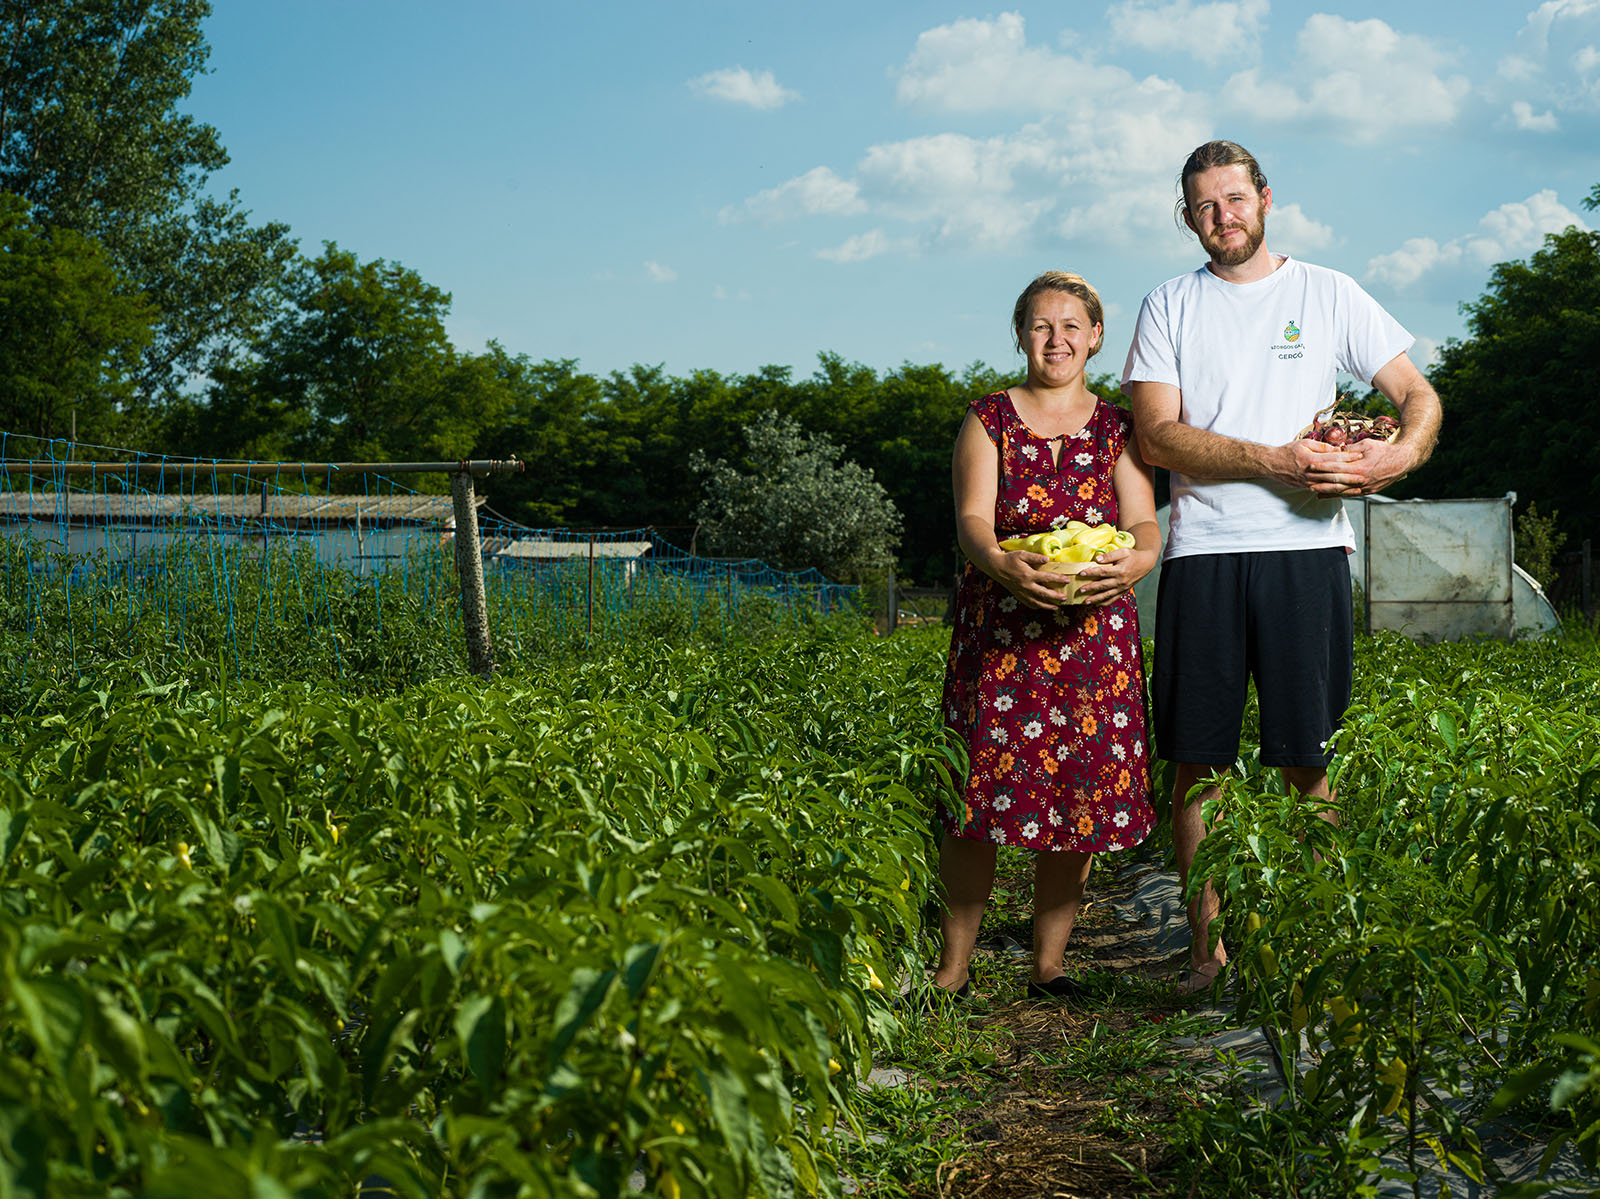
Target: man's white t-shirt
1256,361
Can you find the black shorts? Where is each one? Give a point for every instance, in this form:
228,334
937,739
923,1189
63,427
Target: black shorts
1283,619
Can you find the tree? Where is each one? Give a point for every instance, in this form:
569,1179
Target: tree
357,367
91,136
548,422
797,505
70,334
1518,393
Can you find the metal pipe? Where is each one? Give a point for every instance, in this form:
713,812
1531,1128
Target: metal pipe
474,466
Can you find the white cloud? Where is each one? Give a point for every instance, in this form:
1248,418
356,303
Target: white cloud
1569,79
1212,33
1367,82
1289,229
659,273
1403,267
1425,352
864,246
1097,158
1523,118
975,65
1555,17
722,294
738,86
1510,231
987,192
1518,68
816,193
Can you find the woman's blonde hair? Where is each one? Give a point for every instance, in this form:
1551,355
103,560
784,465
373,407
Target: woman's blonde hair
1074,285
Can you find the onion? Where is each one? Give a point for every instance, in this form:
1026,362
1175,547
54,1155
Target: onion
1335,427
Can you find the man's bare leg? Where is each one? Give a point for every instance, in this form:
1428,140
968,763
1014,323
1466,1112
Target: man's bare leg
966,868
1311,781
1058,881
1188,830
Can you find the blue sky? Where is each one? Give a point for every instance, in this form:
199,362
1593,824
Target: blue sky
724,186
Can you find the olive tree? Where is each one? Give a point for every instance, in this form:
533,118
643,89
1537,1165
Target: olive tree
795,503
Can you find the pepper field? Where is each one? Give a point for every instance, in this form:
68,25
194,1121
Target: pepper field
631,919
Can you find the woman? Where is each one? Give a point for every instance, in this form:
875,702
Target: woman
1049,696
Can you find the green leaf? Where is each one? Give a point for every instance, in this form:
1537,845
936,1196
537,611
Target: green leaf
1569,1086
481,1025
120,1040
586,991
827,950
275,921
379,1049
222,846
56,1013
780,896
638,967
452,950
12,826
1521,1085
1469,1164
1446,725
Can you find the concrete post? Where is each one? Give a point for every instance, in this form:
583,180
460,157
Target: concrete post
469,565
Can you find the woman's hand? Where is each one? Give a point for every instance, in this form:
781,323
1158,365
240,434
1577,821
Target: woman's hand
1025,576
1113,573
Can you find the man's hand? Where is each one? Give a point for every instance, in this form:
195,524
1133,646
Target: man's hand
1312,466
1371,466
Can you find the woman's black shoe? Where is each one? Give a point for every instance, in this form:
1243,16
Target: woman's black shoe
1061,987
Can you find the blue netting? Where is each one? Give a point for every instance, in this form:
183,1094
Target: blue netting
192,551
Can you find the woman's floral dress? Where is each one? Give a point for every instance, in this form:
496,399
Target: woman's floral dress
1050,704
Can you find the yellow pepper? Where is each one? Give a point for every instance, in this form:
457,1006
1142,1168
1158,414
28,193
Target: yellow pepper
1074,542
1343,1012
1392,1074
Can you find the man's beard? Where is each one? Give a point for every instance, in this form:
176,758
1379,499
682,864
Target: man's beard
1244,251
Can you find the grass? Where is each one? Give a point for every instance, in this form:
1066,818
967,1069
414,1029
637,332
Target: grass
1007,1098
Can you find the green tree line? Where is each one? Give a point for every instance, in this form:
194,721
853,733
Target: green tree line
139,309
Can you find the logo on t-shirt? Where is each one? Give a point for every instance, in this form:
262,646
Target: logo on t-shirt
1287,348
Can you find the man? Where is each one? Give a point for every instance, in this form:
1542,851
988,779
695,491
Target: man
1227,364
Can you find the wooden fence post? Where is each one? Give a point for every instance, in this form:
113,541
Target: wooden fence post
469,565
588,633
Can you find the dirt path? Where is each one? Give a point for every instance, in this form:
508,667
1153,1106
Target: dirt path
1081,1100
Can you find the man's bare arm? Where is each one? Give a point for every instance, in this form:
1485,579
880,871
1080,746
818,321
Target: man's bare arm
1164,440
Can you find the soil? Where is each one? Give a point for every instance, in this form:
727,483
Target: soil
1037,1130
